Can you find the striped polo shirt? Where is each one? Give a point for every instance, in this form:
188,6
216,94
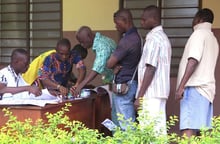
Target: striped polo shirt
156,52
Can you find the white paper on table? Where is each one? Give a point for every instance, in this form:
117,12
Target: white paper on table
40,103
44,96
26,99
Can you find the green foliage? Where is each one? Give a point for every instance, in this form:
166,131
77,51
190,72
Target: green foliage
60,130
207,136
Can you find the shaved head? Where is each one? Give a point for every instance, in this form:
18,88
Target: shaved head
20,60
83,31
153,12
85,36
123,20
18,54
123,14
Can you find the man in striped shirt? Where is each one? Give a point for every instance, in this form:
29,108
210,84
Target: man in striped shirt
154,69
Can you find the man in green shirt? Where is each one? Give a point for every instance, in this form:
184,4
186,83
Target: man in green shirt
103,47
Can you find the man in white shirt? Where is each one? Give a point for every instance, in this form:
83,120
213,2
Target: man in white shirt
12,85
196,80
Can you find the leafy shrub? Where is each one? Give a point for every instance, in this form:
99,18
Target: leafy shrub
60,130
207,136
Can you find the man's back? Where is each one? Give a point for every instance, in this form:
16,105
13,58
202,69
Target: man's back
103,46
202,46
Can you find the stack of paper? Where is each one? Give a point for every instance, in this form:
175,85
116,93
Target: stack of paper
40,103
45,98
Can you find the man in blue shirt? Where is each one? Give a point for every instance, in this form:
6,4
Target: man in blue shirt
125,60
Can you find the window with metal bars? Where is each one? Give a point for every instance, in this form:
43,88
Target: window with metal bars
177,16
35,25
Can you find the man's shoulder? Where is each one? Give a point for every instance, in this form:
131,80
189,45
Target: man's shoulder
130,39
48,53
103,41
158,36
4,69
5,72
100,36
51,56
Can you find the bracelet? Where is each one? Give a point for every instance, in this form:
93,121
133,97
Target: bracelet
58,86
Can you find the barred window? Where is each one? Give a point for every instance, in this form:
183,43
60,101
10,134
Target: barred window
177,16
35,25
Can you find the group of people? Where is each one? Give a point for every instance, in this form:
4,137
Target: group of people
143,66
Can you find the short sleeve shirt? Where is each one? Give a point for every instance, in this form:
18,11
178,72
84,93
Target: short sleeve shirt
59,71
156,52
11,79
103,48
128,53
202,46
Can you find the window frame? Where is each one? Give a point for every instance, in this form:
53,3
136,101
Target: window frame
177,50
30,40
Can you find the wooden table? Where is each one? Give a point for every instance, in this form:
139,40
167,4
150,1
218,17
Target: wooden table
82,110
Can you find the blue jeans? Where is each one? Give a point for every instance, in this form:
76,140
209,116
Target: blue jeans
124,105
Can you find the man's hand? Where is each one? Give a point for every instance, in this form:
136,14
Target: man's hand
117,69
63,90
35,90
137,104
190,68
179,93
75,91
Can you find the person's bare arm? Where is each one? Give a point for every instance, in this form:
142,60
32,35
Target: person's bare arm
54,86
81,76
47,83
190,68
89,78
13,90
112,62
148,77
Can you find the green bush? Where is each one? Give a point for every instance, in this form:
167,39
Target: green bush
60,130
207,136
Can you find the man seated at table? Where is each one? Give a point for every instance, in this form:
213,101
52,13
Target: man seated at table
31,75
57,67
12,85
